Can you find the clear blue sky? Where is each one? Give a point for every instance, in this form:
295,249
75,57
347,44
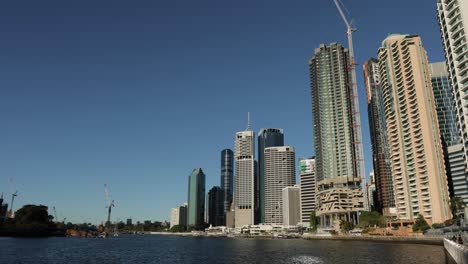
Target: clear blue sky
136,94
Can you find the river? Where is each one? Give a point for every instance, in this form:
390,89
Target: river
136,249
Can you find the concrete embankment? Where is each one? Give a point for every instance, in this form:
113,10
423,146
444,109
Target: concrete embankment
459,253
389,239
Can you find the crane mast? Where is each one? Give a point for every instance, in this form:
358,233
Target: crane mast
357,132
109,206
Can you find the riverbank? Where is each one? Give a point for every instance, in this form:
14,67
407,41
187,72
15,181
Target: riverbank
389,239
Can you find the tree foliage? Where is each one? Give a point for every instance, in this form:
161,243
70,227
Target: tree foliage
371,219
178,229
32,214
346,226
420,224
456,205
313,221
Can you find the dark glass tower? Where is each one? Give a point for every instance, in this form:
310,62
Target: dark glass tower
216,206
196,199
268,137
227,177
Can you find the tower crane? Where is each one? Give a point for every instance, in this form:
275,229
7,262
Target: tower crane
55,214
357,132
13,195
110,204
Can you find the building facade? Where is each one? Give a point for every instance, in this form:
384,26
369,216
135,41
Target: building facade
245,178
268,137
216,215
417,161
451,143
291,199
385,202
308,188
453,23
227,177
179,216
339,190
280,168
196,199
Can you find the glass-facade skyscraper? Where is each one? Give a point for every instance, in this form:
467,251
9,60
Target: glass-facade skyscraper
196,199
227,177
267,137
378,131
339,192
216,215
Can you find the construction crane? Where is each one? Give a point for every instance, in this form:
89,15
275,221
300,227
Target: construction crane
13,195
357,132
55,214
110,204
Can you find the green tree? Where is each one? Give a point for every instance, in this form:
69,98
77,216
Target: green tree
420,224
178,229
456,205
371,219
313,221
346,226
32,214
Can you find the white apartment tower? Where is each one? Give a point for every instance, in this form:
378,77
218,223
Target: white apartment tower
244,178
279,173
308,188
291,205
453,23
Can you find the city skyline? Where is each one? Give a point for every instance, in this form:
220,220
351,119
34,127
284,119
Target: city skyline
69,133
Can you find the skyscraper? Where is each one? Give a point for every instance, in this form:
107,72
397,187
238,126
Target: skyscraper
268,137
451,144
453,23
291,199
227,174
196,199
378,131
179,216
245,178
216,206
308,188
340,194
418,168
280,171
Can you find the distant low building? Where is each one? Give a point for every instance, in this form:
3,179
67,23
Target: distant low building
129,221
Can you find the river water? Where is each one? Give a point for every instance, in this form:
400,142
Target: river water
136,249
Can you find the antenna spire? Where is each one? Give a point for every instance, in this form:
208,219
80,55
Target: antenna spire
248,120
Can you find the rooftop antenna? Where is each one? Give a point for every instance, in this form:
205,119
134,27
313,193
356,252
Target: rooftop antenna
248,121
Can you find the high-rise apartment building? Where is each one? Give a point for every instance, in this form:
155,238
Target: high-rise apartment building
280,171
216,215
196,199
339,194
418,169
227,177
291,199
245,178
453,23
451,144
308,188
179,216
268,137
385,202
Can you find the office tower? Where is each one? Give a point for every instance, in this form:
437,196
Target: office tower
339,190
280,172
196,199
245,178
227,180
179,216
451,144
129,221
453,23
385,202
216,206
291,199
308,188
268,137
418,169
